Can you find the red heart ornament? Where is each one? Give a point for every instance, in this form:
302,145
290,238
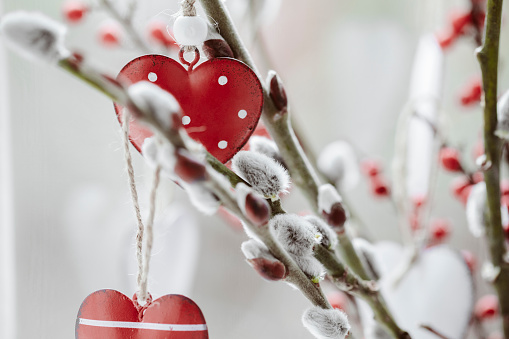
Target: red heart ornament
110,314
221,100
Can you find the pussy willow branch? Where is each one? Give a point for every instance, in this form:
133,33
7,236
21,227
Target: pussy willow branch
312,291
279,126
116,92
488,59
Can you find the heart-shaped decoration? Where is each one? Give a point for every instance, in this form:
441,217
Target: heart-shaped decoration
221,100
437,291
110,314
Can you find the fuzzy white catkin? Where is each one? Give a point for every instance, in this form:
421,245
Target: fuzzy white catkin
150,152
338,163
326,323
327,197
201,197
503,116
329,238
265,146
265,175
310,266
295,234
475,209
255,249
151,98
166,156
34,36
162,154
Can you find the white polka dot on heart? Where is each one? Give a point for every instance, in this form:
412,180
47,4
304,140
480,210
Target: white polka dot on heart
186,120
152,76
222,144
242,113
222,80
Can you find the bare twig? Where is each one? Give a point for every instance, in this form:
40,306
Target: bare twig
435,332
488,59
127,22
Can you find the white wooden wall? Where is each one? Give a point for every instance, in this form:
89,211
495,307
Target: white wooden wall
7,245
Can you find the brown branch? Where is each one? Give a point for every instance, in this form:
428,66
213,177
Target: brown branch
488,60
367,290
435,332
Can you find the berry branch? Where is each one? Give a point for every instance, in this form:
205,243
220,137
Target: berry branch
126,21
488,60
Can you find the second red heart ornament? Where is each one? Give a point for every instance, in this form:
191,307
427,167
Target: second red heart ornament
221,99
110,314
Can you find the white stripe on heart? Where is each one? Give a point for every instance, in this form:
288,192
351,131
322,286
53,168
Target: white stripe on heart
144,326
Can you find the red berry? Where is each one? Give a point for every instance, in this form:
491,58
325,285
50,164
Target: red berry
371,167
74,10
110,34
460,20
458,186
379,187
440,229
158,31
486,307
504,200
445,40
471,93
481,16
470,260
338,300
449,157
504,187
419,201
465,194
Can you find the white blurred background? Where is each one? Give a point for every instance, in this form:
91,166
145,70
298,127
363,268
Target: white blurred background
67,220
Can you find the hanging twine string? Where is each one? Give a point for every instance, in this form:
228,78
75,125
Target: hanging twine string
143,250
149,234
188,8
